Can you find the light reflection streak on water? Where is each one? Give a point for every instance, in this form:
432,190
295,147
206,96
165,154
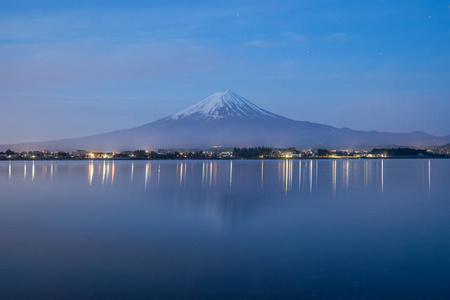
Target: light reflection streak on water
299,174
365,172
24,170
104,172
51,171
382,175
203,173
333,180
346,173
210,173
368,173
310,176
215,171
148,173
429,176
287,175
181,173
112,174
291,165
32,172
281,174
262,173
9,171
132,171
91,172
159,173
107,171
231,172
317,172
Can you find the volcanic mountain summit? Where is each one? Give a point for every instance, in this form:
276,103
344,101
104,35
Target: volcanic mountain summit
229,120
221,105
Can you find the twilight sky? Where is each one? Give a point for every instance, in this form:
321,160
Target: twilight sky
74,68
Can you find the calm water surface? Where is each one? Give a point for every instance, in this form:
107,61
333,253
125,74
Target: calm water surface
278,229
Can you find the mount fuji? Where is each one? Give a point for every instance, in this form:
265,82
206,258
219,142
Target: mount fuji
227,119
222,105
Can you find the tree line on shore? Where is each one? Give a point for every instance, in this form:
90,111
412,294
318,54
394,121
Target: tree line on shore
235,153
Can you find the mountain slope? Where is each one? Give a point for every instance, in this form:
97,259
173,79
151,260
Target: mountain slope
227,119
444,148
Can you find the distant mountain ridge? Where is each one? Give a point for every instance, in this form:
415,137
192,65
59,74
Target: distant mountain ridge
227,119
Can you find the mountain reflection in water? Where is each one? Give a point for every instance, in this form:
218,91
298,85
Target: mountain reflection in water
219,180
225,229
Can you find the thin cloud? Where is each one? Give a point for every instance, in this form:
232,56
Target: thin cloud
331,37
264,44
46,65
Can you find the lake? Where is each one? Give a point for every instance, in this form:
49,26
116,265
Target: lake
240,229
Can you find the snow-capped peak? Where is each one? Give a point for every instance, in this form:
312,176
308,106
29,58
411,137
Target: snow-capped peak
221,105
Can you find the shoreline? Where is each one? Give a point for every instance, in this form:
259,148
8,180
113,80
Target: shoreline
226,159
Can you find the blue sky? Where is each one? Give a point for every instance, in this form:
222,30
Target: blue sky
75,68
